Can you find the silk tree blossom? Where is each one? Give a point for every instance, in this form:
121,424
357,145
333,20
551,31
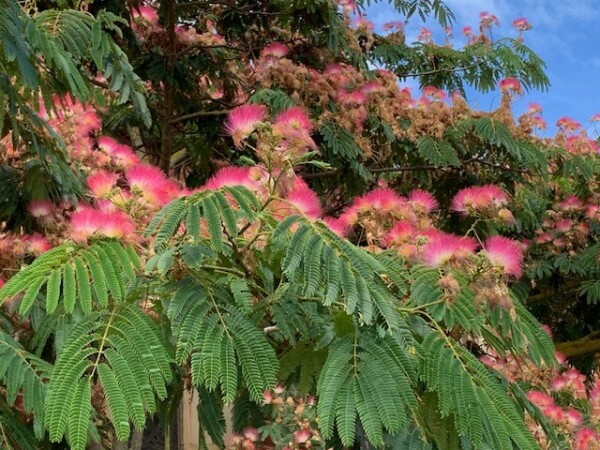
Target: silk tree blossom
434,93
294,126
401,233
337,225
477,199
151,183
522,24
447,249
275,50
242,121
233,176
101,183
505,254
382,199
88,222
36,244
568,125
422,201
303,200
40,208
510,85
120,154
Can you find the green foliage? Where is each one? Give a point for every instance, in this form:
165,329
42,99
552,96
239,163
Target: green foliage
76,275
125,352
24,374
481,408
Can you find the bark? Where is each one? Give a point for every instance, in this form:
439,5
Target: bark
136,441
580,348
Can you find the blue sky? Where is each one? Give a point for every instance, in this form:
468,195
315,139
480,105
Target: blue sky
565,34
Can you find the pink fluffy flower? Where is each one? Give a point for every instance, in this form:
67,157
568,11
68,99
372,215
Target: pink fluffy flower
422,201
522,24
505,254
337,225
434,93
443,249
510,84
121,155
586,438
306,201
477,198
568,124
232,176
102,182
383,199
87,222
36,244
302,436
242,121
145,14
275,50
251,434
400,233
150,182
40,208
295,118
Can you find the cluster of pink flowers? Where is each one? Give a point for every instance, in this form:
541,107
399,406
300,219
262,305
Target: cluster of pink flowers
566,227
280,142
486,202
295,420
562,395
145,23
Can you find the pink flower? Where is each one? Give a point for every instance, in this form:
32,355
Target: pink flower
294,118
40,208
505,254
36,244
567,124
242,121
146,14
87,221
337,225
510,84
117,224
534,108
584,439
232,176
275,50
306,201
371,87
539,398
302,436
467,31
383,199
422,201
424,35
574,417
595,118
150,182
251,433
445,249
101,182
352,97
522,24
571,203
476,198
435,93
401,233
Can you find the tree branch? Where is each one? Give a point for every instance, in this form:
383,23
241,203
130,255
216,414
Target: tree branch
199,114
580,348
